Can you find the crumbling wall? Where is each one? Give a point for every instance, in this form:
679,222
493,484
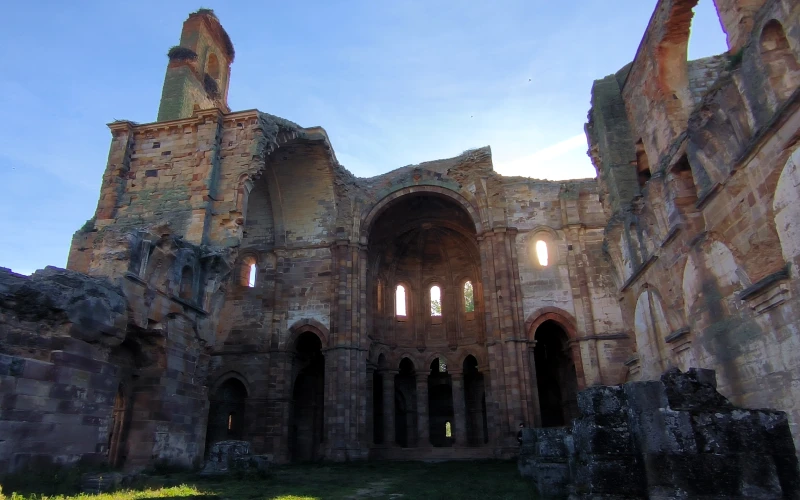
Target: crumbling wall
703,253
673,438
56,382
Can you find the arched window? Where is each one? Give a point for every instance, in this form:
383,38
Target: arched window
212,66
436,301
448,431
251,279
541,253
783,69
400,300
248,272
469,297
230,420
186,284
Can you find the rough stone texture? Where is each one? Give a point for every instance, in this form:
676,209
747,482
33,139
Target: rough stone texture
674,438
224,457
704,253
683,253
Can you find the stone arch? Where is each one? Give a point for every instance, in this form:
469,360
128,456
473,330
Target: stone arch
560,316
673,70
786,207
377,209
226,375
409,356
430,358
307,325
780,63
475,353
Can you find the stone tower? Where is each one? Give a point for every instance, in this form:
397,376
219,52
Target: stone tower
199,68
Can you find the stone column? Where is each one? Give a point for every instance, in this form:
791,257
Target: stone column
369,429
459,407
423,427
388,407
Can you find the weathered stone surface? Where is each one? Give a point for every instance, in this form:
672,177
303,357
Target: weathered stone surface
693,444
87,308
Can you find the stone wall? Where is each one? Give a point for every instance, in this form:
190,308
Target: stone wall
703,251
673,438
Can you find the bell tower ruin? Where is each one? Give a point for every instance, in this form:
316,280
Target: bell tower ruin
199,69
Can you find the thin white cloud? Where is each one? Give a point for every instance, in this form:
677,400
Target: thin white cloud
549,160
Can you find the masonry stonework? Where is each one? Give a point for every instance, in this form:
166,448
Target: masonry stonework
237,283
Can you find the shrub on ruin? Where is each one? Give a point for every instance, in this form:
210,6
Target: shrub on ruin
178,53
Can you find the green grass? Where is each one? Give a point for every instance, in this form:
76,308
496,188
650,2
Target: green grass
371,480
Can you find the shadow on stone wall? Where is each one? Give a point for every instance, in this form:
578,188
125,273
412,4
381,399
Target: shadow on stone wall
673,438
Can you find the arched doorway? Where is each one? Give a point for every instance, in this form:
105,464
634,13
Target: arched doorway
556,378
475,400
226,412
307,398
440,404
405,397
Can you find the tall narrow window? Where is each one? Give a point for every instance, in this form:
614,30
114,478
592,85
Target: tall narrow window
541,253
436,301
230,421
251,279
448,431
400,300
186,284
380,297
469,297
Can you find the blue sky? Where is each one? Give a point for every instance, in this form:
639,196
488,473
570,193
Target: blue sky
393,83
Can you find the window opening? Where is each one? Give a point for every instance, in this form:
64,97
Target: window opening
541,253
469,297
448,431
706,34
642,164
400,300
251,280
436,301
442,366
230,421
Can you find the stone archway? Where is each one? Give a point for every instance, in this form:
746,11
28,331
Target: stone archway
556,377
307,423
226,411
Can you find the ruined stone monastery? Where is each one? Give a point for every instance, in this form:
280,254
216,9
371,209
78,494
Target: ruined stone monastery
237,282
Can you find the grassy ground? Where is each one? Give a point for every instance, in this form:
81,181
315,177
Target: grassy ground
374,480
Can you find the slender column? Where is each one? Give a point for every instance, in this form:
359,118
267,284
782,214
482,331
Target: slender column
423,427
459,407
388,407
369,429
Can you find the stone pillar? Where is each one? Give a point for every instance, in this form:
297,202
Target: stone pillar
459,407
423,426
369,429
116,174
388,407
346,356
206,173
